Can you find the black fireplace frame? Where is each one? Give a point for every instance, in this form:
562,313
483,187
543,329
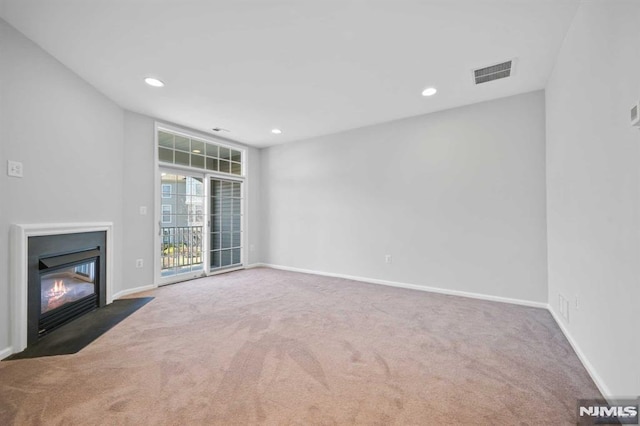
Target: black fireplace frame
63,250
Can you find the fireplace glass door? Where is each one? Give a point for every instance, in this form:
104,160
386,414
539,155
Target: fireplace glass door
67,285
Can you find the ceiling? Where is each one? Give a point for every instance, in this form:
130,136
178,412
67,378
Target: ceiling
307,67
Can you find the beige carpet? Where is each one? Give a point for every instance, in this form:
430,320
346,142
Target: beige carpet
282,348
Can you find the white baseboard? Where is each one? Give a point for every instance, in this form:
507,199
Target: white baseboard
6,352
529,303
134,290
604,390
256,265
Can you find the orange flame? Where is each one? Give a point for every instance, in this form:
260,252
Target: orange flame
58,288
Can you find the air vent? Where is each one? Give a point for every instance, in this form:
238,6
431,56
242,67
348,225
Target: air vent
493,72
220,129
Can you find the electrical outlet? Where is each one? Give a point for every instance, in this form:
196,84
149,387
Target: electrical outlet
387,258
139,263
143,210
14,168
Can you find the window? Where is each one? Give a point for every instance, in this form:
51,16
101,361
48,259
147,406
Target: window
204,155
166,191
166,213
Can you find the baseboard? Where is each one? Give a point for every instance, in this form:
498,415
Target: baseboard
133,290
256,265
410,286
6,352
604,390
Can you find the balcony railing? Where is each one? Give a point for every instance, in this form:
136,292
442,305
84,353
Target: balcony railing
181,247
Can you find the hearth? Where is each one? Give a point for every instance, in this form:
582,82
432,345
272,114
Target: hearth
66,279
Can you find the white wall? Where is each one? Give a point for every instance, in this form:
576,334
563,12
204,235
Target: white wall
139,191
593,184
69,138
456,197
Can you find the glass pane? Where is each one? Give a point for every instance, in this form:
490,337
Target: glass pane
212,164
235,155
225,258
225,166
165,139
226,189
236,205
225,153
181,204
216,224
215,259
226,206
197,187
181,185
182,221
226,240
197,147
235,239
215,240
212,150
216,206
225,224
237,192
182,143
237,223
215,188
236,256
165,155
182,158
167,178
236,169
197,161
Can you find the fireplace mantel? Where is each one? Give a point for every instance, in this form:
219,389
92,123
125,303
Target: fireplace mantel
19,238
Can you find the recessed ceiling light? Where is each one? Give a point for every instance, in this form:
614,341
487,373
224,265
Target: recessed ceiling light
276,131
429,91
153,82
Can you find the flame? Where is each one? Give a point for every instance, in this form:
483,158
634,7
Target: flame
58,289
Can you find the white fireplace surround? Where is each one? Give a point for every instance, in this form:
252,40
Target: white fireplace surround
18,273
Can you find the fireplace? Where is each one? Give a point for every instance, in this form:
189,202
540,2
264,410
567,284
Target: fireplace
66,279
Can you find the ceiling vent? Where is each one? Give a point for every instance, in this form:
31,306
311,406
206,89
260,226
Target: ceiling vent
493,72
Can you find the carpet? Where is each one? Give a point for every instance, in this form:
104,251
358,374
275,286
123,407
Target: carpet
74,336
263,346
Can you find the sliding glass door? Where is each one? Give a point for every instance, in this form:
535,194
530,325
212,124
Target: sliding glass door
182,214
225,248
